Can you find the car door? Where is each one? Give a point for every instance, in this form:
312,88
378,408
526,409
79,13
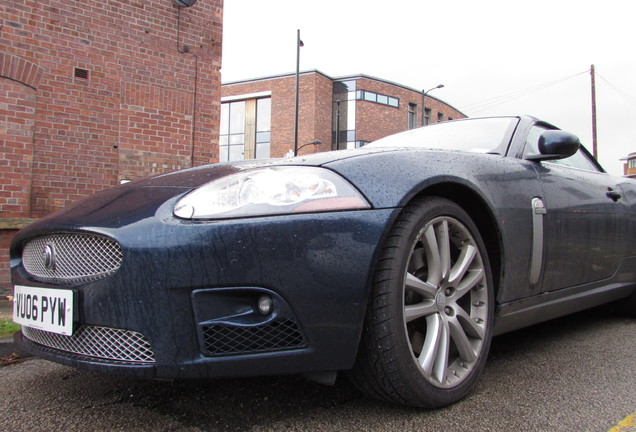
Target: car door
584,219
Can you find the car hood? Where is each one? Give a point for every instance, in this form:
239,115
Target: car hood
131,202
194,177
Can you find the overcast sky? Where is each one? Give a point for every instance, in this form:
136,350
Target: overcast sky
493,56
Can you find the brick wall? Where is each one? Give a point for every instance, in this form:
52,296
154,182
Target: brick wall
375,121
95,91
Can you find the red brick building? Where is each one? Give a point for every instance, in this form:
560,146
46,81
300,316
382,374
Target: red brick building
257,116
630,165
93,92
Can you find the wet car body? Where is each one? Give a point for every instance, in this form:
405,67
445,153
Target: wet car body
190,287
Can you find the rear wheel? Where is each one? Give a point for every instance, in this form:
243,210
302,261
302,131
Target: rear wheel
428,327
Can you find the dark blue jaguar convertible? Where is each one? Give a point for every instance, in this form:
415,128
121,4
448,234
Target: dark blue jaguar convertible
397,262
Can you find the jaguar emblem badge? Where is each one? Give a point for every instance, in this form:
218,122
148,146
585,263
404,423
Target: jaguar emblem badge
49,256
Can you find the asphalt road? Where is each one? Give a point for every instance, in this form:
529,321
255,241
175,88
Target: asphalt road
573,374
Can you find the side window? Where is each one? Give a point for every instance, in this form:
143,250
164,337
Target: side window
532,141
580,159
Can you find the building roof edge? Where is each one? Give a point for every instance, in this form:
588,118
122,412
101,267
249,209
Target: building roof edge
274,77
405,87
341,78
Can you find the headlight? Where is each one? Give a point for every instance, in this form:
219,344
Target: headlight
270,191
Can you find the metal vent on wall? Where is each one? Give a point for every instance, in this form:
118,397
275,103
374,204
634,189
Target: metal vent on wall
81,73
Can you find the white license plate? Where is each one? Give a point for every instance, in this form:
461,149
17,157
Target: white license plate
44,308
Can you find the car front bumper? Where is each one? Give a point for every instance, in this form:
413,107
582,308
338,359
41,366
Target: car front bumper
190,289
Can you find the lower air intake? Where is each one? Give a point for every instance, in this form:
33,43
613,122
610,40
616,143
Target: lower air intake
276,335
98,342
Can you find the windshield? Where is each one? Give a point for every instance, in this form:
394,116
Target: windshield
482,135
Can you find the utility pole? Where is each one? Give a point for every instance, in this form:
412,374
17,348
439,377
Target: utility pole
594,151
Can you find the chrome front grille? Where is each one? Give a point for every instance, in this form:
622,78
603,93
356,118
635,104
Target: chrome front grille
99,342
71,258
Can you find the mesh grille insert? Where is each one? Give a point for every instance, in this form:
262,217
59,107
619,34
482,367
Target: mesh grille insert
99,342
272,336
71,258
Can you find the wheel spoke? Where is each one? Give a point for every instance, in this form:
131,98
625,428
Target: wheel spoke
433,257
428,353
418,260
468,324
419,286
441,360
434,355
443,243
465,259
419,310
469,282
465,348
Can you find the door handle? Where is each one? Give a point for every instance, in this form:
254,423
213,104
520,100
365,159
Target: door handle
614,195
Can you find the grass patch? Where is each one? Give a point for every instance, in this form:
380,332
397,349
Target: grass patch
8,327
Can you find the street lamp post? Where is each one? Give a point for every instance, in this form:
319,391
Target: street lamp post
424,93
299,44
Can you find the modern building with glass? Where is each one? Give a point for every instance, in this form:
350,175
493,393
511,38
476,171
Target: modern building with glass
258,115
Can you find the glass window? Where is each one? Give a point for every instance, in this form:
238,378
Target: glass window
237,117
262,137
412,120
225,118
236,152
440,117
262,150
236,139
370,96
263,115
580,159
232,139
263,127
232,132
427,116
486,135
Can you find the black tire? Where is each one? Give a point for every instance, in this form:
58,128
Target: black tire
446,300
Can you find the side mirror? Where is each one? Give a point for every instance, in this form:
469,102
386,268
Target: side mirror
556,144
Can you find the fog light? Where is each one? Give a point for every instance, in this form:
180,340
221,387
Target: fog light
265,304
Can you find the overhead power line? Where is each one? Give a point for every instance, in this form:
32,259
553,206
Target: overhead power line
498,100
628,98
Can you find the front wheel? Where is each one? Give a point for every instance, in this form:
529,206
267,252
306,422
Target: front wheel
429,323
